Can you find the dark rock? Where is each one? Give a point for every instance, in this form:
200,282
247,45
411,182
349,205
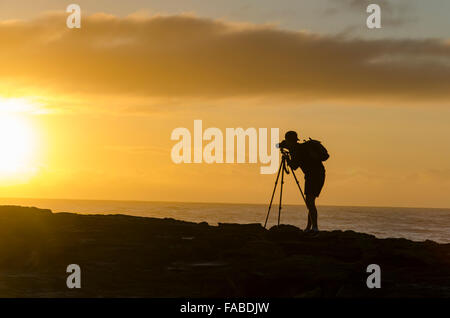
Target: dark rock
126,256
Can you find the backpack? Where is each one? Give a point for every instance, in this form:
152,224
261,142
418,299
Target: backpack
316,150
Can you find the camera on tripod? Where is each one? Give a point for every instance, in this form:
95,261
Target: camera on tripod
283,150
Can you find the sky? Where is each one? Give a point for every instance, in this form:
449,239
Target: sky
88,113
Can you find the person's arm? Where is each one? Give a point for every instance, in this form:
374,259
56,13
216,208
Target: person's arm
292,162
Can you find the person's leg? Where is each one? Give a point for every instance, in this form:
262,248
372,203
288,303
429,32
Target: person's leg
312,215
308,226
313,186
307,190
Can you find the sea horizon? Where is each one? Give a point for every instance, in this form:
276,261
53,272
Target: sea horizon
226,203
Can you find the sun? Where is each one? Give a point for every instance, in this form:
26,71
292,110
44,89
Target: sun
17,144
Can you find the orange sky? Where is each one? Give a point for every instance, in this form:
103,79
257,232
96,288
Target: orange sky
95,108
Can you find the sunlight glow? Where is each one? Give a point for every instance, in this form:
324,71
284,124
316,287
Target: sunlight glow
16,140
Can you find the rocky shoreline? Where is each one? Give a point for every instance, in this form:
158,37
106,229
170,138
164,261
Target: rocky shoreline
127,256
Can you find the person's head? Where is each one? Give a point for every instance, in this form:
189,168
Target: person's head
291,138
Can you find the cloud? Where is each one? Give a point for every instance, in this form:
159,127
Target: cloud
186,56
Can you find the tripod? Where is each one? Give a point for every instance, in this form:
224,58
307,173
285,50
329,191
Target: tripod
282,169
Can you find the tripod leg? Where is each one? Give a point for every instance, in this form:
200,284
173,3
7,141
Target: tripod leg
273,193
281,189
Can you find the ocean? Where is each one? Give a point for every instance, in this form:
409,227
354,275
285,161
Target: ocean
417,224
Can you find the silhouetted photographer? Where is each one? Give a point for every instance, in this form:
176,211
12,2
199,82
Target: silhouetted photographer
309,156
